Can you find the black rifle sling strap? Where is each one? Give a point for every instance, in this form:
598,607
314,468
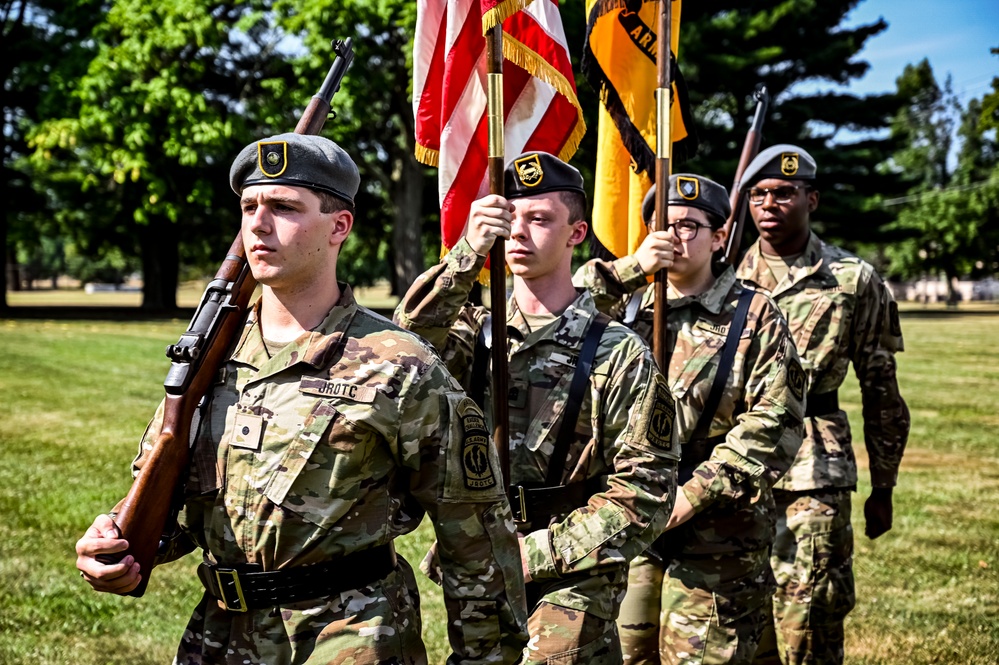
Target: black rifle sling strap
724,366
480,362
580,380
698,447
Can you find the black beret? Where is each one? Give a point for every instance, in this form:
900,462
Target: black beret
296,160
694,191
784,161
539,172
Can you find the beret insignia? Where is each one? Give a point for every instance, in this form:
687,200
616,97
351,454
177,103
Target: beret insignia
789,163
687,188
529,170
272,157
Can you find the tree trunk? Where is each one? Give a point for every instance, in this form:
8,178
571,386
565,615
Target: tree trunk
407,242
6,262
159,247
952,295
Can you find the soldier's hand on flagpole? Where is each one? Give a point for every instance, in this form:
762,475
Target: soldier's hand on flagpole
655,253
489,218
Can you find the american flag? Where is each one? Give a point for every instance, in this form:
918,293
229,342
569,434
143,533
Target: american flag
449,93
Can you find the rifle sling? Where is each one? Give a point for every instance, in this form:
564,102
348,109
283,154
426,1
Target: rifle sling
539,503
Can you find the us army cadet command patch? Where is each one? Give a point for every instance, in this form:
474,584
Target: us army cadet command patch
475,447
796,379
659,429
529,170
789,163
272,157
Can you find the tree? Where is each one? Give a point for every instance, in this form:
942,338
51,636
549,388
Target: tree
783,44
45,44
165,103
375,123
949,222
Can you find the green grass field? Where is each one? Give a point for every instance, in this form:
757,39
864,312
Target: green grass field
76,397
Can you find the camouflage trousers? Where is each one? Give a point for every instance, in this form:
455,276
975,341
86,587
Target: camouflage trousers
562,636
813,564
378,624
705,610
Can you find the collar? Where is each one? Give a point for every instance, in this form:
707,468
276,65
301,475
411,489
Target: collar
713,300
754,268
569,330
314,347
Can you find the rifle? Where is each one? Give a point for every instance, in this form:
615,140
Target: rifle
195,361
750,148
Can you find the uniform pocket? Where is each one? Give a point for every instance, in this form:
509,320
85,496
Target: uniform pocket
833,592
320,474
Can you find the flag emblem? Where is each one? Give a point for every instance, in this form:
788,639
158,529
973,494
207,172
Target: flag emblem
789,163
687,188
272,157
529,170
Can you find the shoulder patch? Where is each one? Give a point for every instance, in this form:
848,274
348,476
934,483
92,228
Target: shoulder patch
896,324
796,379
477,468
659,428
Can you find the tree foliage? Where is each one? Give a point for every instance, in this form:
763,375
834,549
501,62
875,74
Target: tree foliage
164,104
46,46
135,110
949,222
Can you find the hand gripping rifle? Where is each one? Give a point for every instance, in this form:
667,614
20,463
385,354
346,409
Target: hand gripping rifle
195,361
750,148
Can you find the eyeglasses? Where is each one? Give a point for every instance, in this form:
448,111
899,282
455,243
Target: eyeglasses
782,194
685,229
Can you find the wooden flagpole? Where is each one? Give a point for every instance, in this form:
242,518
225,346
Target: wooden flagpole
497,255
664,145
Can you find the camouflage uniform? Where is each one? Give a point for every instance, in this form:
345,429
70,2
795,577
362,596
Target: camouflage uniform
579,561
339,443
839,312
706,602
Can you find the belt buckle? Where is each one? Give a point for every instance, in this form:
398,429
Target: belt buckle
231,583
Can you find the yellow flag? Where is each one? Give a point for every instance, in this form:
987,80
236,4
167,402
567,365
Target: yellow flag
619,59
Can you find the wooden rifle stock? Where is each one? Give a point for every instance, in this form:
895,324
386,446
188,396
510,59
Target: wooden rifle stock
142,515
750,148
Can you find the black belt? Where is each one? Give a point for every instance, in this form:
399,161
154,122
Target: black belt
822,404
248,587
531,504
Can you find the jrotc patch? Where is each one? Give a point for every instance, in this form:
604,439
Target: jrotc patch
894,322
688,188
659,429
529,170
796,379
475,447
789,163
272,157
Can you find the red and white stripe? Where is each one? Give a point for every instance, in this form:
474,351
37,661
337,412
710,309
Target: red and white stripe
449,94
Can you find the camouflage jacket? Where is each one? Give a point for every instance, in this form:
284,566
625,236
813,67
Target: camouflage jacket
756,429
839,312
338,443
625,436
